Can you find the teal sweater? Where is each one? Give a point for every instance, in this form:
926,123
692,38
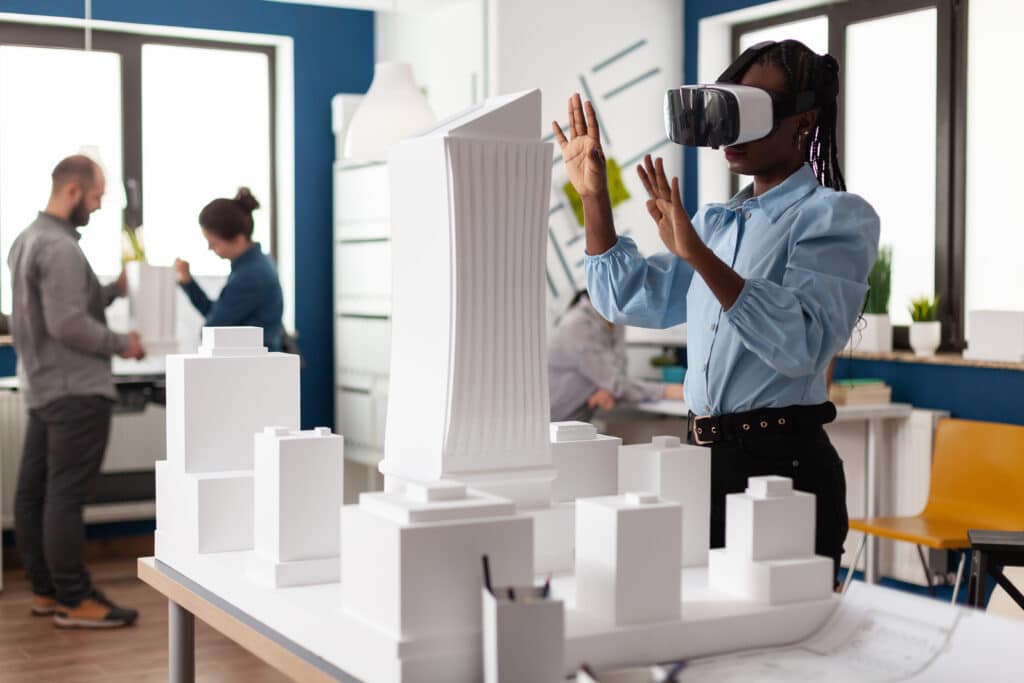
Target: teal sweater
251,296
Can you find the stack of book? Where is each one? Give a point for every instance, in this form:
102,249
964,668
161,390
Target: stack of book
850,392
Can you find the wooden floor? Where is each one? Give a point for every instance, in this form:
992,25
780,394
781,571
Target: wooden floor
32,650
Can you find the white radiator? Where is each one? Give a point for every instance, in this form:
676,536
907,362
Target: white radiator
137,440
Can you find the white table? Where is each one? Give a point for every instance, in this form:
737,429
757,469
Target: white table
873,416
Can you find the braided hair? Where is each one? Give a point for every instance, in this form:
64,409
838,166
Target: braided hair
805,70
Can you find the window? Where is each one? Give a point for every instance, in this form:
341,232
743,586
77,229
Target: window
995,238
901,147
905,201
133,93
812,32
206,132
41,124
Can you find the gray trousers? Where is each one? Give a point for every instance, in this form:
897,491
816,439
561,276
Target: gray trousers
64,447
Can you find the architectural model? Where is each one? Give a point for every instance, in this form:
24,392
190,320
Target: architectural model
769,546
299,483
217,400
246,504
679,473
152,305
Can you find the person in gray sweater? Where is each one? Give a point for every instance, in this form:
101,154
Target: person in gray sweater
587,366
64,348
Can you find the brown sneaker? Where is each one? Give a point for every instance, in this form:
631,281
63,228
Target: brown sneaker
43,605
95,611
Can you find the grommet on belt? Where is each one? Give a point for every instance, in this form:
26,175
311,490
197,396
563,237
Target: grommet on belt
714,430
764,424
796,463
782,420
746,427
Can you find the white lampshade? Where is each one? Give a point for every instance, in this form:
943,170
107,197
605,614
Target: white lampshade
393,108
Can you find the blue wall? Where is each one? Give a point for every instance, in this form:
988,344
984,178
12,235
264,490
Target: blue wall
972,393
333,52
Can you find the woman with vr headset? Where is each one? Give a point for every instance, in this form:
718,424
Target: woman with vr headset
770,283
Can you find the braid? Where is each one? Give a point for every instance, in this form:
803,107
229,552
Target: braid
805,70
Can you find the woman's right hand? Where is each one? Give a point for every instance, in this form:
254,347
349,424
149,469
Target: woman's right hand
581,153
181,268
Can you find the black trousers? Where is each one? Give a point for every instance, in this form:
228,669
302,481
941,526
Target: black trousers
808,458
64,447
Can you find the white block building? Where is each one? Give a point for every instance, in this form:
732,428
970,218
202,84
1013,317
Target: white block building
217,400
299,484
679,473
769,546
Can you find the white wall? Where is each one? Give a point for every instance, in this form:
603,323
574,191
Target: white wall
445,46
568,46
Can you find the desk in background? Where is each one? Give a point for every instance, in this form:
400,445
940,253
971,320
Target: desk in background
125,490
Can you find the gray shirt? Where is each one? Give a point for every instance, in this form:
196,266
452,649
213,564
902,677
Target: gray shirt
57,320
586,354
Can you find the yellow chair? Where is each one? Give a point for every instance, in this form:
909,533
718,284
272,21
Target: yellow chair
977,482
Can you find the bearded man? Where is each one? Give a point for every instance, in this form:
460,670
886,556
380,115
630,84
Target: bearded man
64,348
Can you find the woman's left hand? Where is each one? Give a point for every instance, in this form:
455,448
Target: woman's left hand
666,208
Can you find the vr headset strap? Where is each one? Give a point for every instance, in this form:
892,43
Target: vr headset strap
798,104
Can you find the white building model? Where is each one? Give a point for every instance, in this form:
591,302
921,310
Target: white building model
472,466
152,305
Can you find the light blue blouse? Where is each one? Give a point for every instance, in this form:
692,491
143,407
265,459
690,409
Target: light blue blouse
805,252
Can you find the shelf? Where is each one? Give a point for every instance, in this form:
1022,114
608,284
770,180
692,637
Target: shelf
953,359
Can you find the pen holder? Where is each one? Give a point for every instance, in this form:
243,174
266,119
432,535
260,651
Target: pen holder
524,636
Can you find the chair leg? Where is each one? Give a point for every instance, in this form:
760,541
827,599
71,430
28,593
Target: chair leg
927,574
853,563
959,575
1010,589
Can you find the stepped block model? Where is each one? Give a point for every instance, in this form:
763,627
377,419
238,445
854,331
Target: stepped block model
769,546
628,558
217,401
676,472
299,486
554,537
416,574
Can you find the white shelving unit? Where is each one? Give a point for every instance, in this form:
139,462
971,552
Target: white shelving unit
362,308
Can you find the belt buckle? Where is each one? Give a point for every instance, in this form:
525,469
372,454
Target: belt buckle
696,434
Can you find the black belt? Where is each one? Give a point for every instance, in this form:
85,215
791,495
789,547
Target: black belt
705,430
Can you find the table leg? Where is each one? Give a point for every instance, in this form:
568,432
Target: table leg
181,645
871,476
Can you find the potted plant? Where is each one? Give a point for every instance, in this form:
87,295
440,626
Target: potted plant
925,330
874,334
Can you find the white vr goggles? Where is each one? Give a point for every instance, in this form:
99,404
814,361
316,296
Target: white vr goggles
726,113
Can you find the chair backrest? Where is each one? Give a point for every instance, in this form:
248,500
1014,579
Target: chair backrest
978,474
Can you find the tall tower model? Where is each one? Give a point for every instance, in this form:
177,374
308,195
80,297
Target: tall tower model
469,398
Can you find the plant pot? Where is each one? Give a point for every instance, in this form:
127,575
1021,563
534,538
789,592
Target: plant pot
673,374
872,335
925,337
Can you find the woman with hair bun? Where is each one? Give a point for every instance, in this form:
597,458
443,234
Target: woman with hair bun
252,295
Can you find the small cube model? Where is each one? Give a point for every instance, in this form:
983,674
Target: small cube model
629,558
587,463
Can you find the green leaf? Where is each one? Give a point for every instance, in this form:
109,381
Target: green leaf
880,283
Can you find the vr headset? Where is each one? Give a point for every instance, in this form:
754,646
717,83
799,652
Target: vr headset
727,113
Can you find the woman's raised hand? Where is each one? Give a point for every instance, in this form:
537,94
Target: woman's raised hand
581,152
666,208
